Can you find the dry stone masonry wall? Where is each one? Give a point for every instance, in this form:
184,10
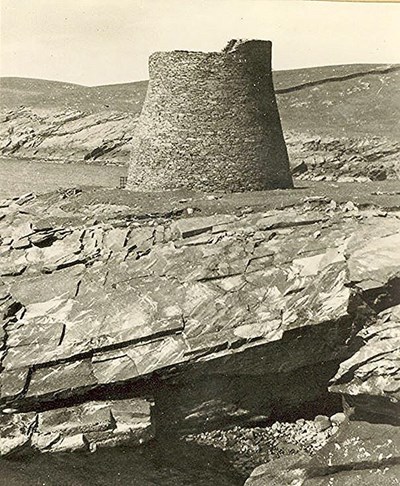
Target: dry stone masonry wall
210,122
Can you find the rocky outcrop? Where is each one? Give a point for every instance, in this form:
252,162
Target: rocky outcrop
366,448
360,453
67,136
343,159
370,380
106,296
79,427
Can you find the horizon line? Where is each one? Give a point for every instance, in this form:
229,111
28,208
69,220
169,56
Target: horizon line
147,79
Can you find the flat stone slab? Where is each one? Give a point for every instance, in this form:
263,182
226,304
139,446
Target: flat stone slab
80,427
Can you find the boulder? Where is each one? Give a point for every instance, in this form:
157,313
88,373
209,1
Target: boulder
338,418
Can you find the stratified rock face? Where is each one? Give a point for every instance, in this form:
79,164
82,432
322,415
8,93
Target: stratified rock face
108,295
210,121
370,380
366,449
314,157
80,427
66,136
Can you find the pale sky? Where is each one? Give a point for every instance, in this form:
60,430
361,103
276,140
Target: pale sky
108,41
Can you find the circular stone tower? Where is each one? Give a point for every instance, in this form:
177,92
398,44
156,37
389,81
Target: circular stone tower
210,122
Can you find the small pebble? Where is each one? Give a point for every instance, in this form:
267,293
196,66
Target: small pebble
338,418
322,423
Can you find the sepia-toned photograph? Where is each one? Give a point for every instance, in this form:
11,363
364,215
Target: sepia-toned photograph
199,243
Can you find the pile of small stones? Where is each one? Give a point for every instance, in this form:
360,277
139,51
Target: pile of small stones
253,446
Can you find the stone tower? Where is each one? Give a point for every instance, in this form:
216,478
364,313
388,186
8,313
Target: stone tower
210,122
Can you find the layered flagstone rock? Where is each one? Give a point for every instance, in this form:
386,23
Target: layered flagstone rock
370,379
79,427
141,298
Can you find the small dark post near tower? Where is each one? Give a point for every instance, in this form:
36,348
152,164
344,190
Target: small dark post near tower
210,122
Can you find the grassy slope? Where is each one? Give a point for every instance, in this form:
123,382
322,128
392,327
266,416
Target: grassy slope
54,95
350,101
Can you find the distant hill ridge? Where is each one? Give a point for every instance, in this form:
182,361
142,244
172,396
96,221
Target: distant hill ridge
339,120
40,93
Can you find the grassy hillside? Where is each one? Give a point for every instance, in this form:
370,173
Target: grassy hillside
350,101
54,95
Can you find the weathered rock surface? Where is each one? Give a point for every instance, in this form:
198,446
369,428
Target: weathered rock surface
366,448
67,136
80,427
370,379
141,298
333,158
15,432
360,453
280,472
